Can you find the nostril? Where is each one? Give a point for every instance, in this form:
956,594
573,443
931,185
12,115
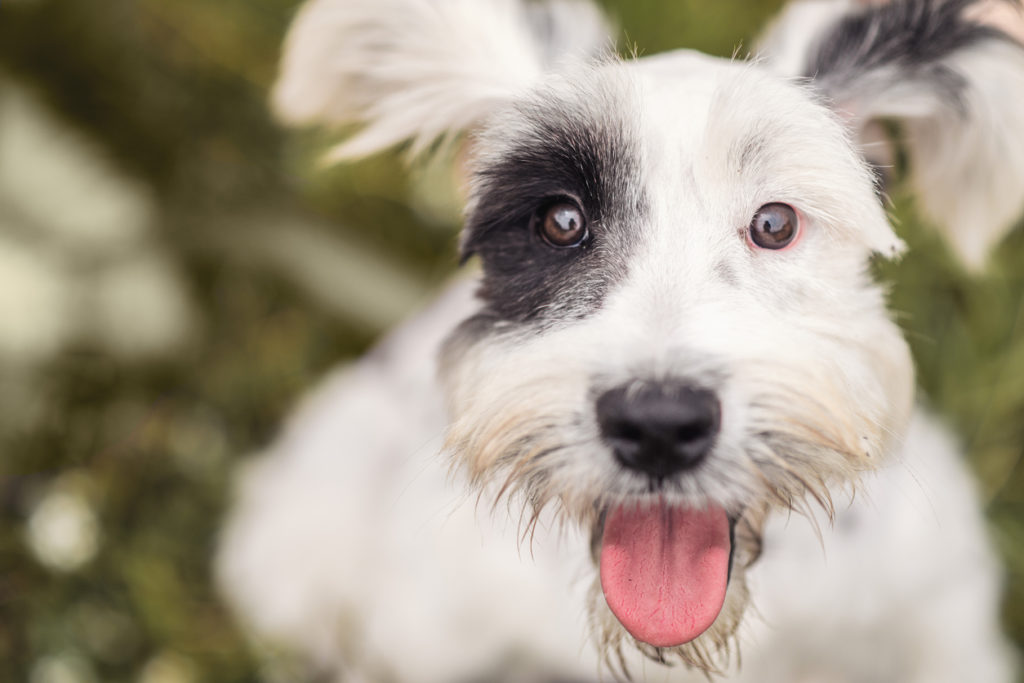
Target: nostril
660,429
692,432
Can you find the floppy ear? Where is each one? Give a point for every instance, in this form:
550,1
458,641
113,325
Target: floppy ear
952,82
421,70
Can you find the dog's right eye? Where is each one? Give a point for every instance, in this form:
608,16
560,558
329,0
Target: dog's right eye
561,224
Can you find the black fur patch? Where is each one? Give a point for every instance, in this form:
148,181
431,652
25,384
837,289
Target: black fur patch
912,36
583,147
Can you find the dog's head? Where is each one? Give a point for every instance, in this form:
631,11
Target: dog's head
678,331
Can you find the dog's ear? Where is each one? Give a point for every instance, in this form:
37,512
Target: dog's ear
950,80
420,70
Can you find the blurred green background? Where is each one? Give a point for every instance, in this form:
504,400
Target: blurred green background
175,270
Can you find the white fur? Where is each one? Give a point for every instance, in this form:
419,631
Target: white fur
352,516
420,70
350,544
969,172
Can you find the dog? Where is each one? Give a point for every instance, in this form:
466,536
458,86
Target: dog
673,342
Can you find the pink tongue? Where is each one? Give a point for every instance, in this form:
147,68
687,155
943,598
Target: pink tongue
664,570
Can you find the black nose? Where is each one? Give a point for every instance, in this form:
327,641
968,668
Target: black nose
659,428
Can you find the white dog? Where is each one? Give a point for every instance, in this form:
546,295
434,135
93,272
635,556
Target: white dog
674,341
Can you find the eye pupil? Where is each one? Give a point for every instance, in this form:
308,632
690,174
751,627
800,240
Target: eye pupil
774,226
563,225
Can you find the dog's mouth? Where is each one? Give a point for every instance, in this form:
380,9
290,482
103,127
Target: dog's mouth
664,569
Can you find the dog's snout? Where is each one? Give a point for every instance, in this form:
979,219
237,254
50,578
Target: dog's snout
659,428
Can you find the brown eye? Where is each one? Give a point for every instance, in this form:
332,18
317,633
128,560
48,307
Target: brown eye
774,226
562,224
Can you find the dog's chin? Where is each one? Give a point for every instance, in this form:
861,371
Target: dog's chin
664,567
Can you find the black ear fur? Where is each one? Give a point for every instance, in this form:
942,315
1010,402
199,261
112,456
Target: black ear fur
915,37
953,85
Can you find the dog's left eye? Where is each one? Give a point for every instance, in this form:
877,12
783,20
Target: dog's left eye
562,224
774,226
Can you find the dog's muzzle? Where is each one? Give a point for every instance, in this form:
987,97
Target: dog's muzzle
664,568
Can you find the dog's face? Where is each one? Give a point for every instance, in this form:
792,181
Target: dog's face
678,330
